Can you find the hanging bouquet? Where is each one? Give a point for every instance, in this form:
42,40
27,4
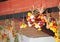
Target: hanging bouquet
1,29
58,33
7,39
1,32
36,21
23,25
53,26
30,19
16,38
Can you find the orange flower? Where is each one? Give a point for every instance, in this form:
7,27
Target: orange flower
43,20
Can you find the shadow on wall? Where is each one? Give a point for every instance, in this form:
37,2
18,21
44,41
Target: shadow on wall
3,0
18,15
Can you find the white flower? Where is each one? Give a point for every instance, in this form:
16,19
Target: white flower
32,20
29,24
31,16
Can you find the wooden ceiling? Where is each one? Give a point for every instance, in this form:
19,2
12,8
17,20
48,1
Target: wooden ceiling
16,6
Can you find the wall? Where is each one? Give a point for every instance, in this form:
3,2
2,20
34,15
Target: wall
16,6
